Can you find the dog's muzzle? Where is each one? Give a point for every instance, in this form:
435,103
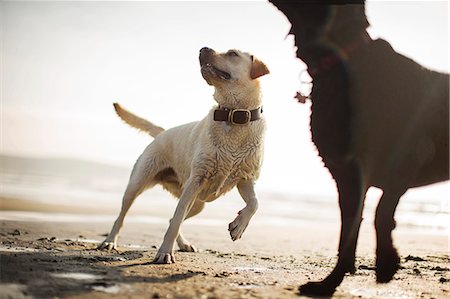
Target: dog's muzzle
206,59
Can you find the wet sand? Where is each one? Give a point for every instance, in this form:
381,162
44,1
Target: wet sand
50,259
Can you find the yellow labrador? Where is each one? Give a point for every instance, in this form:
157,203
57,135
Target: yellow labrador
200,161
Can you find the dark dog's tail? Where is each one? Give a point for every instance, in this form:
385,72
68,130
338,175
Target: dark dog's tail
137,122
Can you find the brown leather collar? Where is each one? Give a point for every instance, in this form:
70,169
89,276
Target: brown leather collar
237,116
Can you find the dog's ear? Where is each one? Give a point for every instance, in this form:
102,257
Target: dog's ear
258,69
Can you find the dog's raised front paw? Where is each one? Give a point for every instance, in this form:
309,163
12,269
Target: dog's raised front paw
106,245
164,258
238,226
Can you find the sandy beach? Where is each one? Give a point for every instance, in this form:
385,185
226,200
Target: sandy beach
52,254
66,157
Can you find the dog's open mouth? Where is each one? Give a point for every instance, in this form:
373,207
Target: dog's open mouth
221,74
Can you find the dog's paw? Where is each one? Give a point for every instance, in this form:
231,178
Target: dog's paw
187,248
106,245
238,226
387,265
317,288
164,258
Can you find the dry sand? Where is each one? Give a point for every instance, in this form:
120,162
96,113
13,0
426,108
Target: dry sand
49,259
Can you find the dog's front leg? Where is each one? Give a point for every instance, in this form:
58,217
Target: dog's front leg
239,224
351,201
187,198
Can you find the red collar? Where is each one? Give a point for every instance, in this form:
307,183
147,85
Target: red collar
330,60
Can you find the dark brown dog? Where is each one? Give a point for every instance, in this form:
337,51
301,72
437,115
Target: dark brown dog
378,119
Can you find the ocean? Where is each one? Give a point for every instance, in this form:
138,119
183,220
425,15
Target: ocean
76,190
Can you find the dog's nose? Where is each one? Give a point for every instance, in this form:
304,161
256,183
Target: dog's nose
205,55
205,49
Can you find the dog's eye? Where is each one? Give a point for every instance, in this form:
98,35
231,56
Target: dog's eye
232,53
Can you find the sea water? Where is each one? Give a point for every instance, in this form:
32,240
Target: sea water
92,192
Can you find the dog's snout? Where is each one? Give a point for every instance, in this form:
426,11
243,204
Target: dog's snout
205,55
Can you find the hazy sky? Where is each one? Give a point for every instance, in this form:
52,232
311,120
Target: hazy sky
63,64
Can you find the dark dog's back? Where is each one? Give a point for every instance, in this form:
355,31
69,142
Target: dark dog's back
402,109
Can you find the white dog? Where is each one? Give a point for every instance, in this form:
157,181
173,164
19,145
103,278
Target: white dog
200,161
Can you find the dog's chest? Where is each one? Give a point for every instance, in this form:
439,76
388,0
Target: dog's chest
241,162
232,160
227,175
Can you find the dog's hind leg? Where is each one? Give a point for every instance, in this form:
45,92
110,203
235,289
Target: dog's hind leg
184,244
387,257
141,178
351,200
133,190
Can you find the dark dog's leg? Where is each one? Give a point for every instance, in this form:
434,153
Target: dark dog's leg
351,199
387,256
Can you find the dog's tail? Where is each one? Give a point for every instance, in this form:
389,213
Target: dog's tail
137,122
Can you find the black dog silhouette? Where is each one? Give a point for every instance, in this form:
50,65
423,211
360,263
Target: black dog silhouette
378,119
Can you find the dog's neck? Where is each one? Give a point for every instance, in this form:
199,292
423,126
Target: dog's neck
249,98
340,31
327,59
